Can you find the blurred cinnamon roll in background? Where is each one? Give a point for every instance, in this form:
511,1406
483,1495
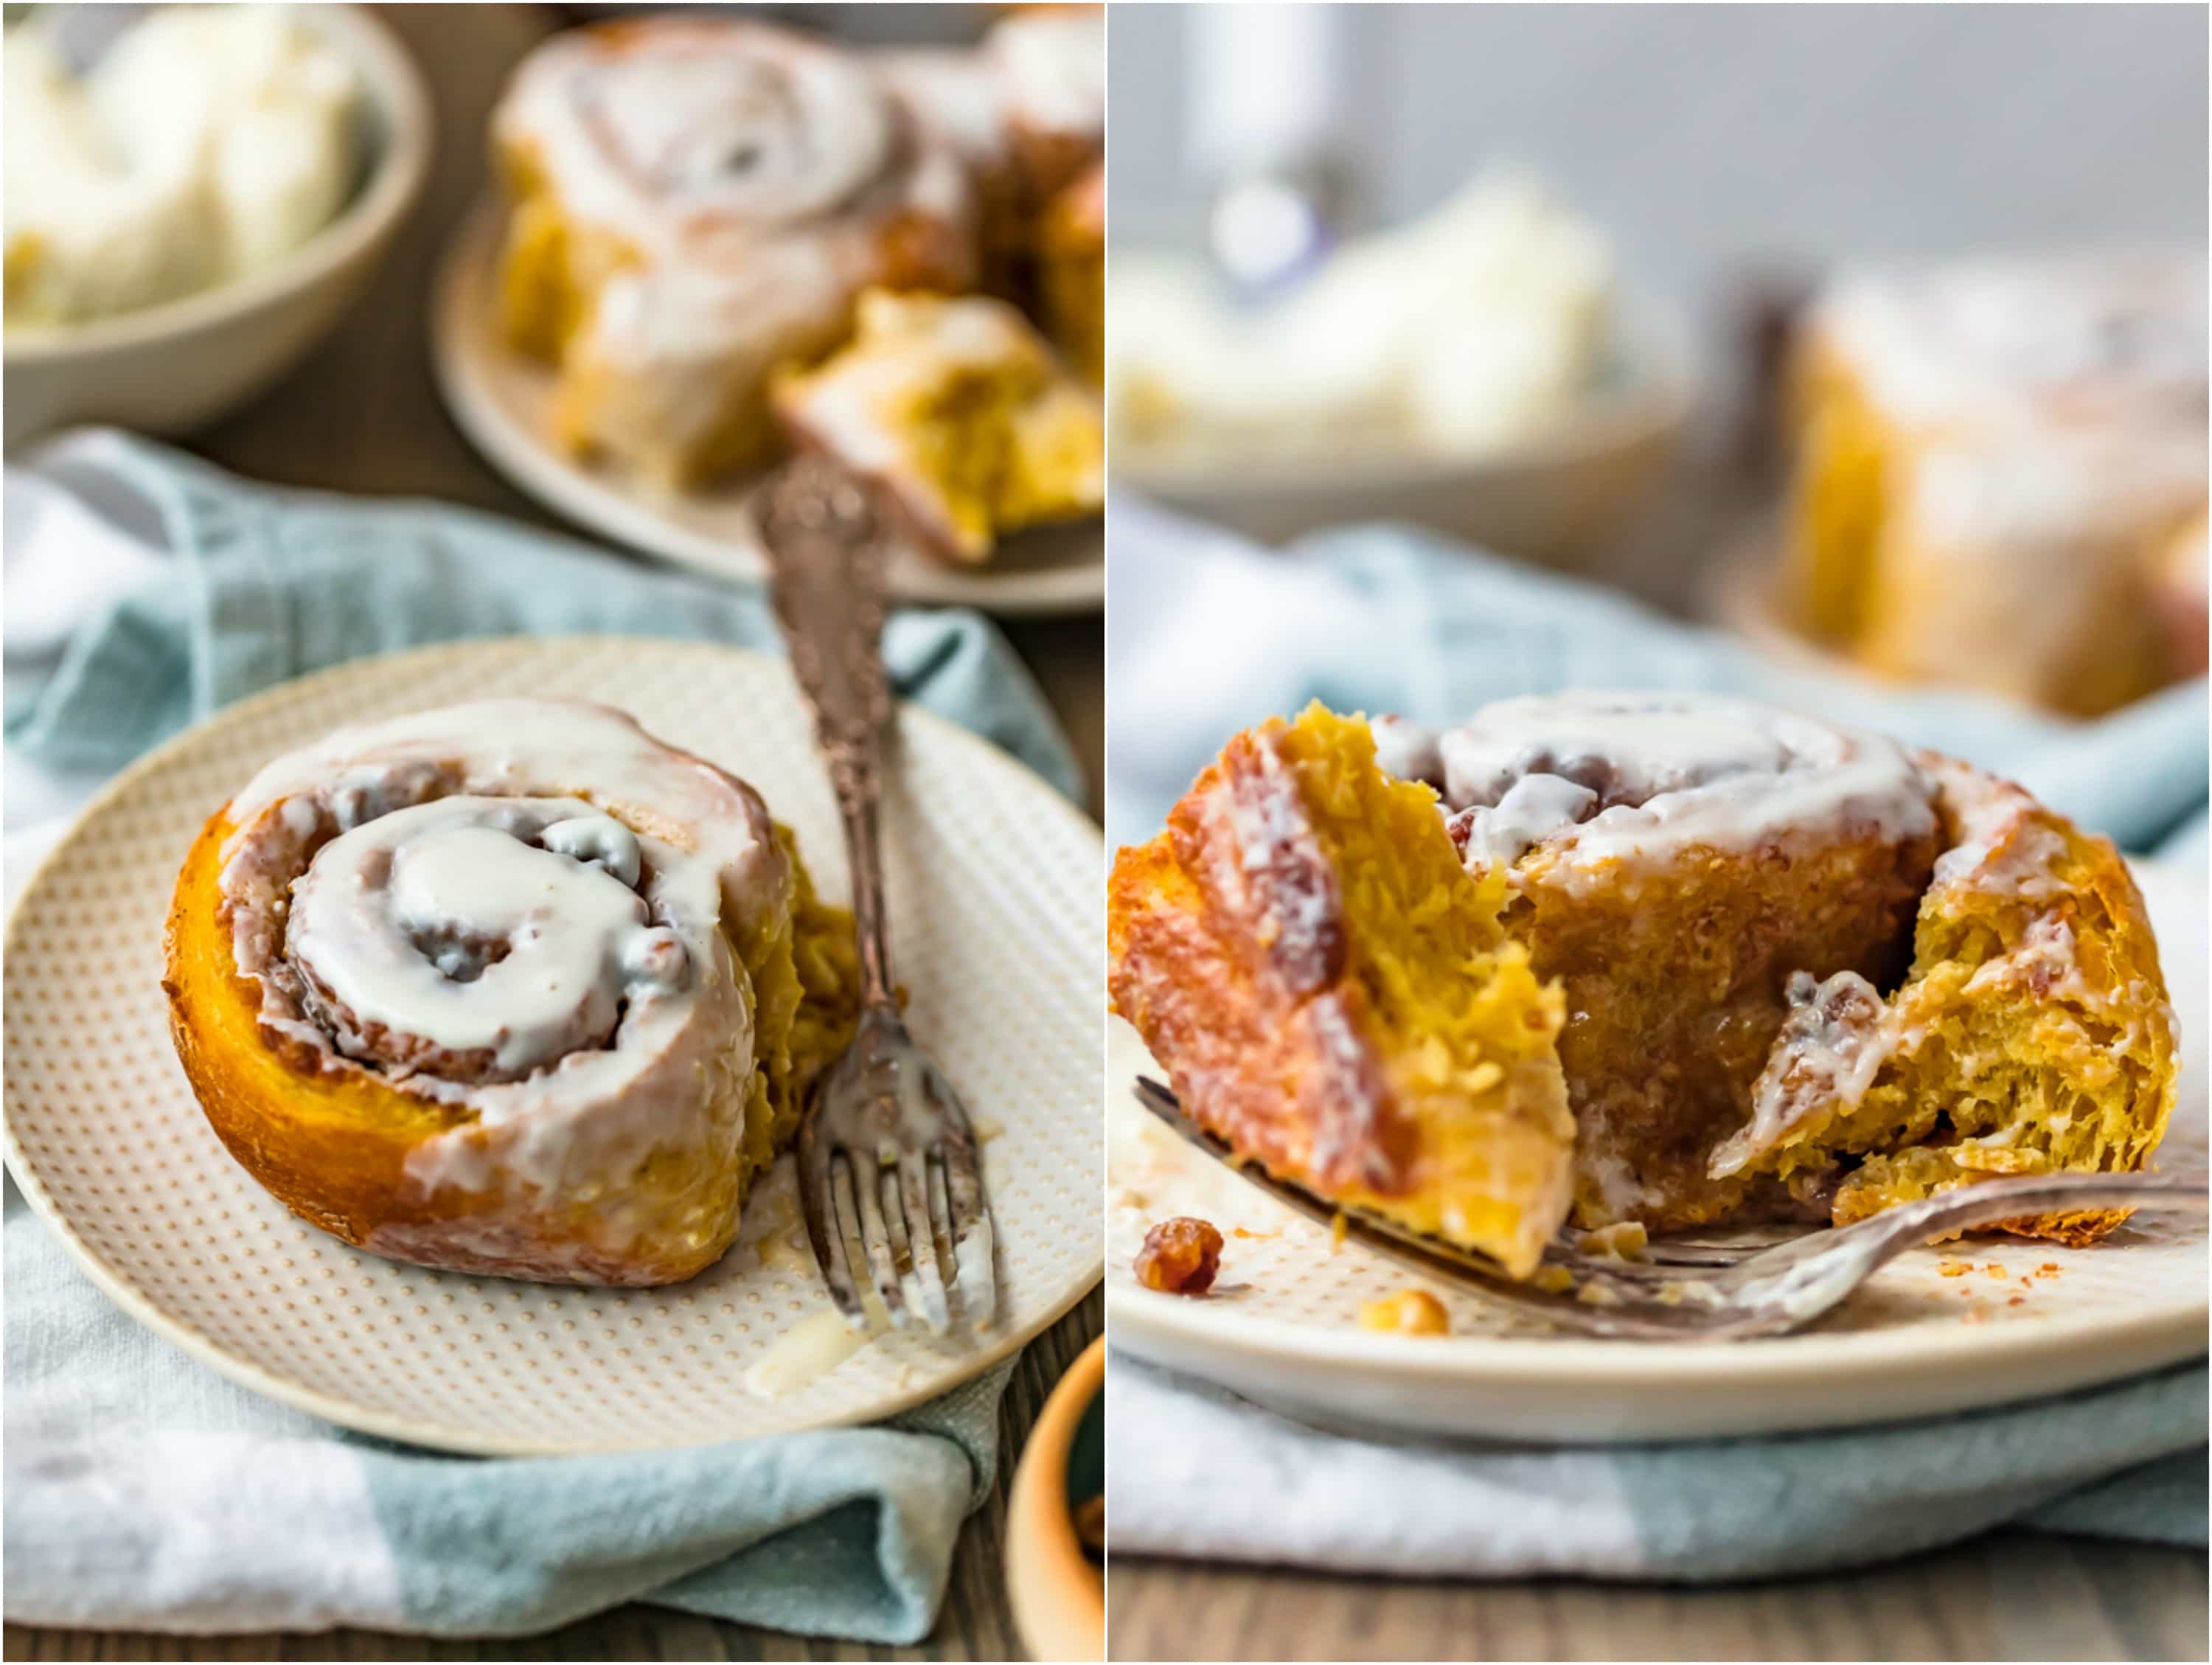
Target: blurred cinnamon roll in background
698,204
1027,110
696,200
2000,474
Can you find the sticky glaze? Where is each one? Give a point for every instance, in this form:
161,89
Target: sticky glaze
752,180
1609,781
533,893
1835,1039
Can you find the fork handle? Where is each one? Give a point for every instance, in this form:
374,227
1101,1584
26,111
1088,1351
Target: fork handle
826,542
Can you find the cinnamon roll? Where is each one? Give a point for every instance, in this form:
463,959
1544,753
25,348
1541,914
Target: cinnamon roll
506,987
1027,111
1074,280
696,200
961,412
1675,959
1338,998
1992,460
1051,62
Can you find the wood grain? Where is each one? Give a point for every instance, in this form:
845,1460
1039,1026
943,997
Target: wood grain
2008,1595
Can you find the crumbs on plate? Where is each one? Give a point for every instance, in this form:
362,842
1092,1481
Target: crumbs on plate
1408,1312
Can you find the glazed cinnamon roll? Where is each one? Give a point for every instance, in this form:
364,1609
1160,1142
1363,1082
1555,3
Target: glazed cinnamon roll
1992,459
1026,110
1051,61
1074,279
506,987
1678,959
694,202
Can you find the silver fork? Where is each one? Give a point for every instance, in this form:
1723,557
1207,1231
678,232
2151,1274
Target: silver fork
1703,1288
917,1208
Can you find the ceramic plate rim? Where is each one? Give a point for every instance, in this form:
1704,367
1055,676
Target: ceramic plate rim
434,1435
607,509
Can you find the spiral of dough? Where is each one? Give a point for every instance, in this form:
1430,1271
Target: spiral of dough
521,909
700,201
690,139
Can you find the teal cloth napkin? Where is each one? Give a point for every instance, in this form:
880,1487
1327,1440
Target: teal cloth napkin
2124,1461
142,1491
269,585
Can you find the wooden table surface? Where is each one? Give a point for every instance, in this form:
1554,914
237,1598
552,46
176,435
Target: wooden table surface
362,414
2006,1595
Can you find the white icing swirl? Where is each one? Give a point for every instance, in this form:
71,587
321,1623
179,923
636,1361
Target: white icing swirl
694,139
1608,779
517,907
754,182
495,925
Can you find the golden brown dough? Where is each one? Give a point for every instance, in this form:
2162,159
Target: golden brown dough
1670,960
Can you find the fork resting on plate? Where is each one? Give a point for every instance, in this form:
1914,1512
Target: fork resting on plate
1725,1287
882,1114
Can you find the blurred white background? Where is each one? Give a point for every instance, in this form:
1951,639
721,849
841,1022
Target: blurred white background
1704,135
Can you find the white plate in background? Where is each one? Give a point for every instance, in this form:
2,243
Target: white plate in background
502,401
1554,498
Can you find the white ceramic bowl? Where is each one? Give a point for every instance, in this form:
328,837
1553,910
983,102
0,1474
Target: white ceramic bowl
171,368
1552,499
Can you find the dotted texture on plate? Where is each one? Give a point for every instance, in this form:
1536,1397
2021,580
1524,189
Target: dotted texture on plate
996,931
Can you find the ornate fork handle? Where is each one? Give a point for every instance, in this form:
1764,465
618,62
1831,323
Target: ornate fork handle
826,544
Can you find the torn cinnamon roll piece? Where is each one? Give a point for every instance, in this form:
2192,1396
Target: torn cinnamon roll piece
961,412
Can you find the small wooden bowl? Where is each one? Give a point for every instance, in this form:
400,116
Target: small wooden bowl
1059,1592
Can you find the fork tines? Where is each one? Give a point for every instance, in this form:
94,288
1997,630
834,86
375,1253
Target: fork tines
916,1218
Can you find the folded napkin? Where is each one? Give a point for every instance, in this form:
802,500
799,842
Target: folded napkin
2122,1462
141,1490
1211,635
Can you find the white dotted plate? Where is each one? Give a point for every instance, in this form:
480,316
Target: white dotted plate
1282,1327
996,931
503,402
